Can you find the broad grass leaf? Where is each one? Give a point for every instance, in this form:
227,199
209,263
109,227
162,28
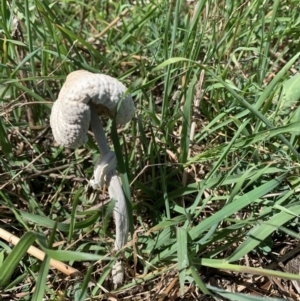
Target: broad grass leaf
221,264
13,259
235,206
289,103
240,297
74,256
261,231
291,90
64,227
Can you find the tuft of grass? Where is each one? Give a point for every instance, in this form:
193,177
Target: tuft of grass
209,165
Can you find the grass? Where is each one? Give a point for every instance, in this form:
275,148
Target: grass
210,162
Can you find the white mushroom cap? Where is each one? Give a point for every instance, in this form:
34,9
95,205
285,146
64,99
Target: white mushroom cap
71,115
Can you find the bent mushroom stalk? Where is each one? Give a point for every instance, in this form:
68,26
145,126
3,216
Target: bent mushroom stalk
82,98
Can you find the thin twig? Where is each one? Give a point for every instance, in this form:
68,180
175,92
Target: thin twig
16,175
71,177
38,173
115,21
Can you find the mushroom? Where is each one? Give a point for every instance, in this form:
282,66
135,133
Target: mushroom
82,98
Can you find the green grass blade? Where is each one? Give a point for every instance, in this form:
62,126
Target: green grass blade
240,297
199,281
219,264
73,214
12,261
74,256
123,173
29,36
64,227
104,275
41,280
85,284
186,122
261,231
182,256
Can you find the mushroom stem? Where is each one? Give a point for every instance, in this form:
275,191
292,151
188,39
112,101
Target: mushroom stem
114,187
115,192
98,131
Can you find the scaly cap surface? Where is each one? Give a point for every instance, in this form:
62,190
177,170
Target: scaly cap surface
70,116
